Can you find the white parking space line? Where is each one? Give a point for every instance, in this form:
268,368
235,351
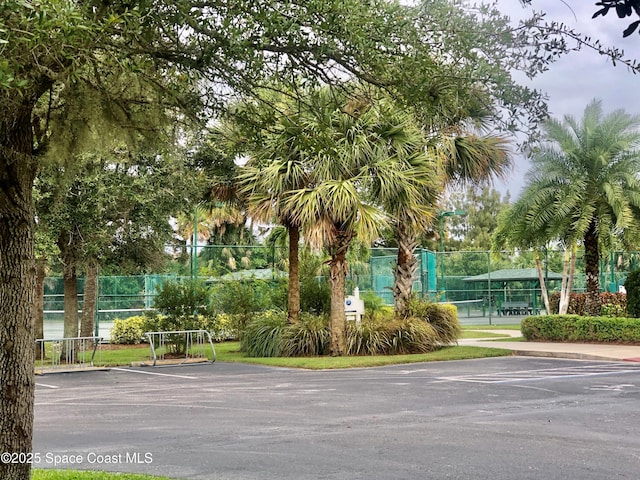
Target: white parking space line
46,385
545,374
154,373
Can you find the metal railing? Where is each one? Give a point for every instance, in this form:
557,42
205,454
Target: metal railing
182,346
66,353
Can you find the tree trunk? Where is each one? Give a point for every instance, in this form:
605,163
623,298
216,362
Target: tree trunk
293,299
572,268
563,306
592,270
17,284
337,317
38,316
403,274
543,284
70,282
90,299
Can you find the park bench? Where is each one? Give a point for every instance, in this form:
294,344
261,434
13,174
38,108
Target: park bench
515,308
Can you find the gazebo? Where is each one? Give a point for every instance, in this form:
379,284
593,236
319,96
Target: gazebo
525,301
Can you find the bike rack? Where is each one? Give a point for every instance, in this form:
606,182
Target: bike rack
66,353
193,342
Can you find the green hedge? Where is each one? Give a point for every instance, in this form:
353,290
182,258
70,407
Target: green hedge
576,328
132,330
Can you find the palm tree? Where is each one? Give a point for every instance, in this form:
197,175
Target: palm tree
356,163
405,180
518,228
278,165
473,159
459,159
584,180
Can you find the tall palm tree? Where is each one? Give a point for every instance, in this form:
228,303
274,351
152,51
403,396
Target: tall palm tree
518,228
277,165
457,159
585,181
360,160
406,181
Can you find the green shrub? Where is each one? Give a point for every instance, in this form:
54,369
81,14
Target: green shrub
387,336
180,305
263,335
221,326
576,328
308,337
612,310
315,295
368,338
372,303
412,335
269,334
128,331
244,297
443,317
183,299
615,302
632,286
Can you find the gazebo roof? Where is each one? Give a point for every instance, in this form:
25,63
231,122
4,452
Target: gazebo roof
513,275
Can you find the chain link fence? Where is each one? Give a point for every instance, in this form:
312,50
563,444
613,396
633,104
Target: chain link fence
478,282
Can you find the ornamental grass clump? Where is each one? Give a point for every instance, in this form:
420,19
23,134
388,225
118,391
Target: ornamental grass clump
430,327
388,336
263,335
442,317
308,337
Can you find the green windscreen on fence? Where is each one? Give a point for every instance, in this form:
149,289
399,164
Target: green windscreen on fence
477,279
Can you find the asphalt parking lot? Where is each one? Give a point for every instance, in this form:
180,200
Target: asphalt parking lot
501,418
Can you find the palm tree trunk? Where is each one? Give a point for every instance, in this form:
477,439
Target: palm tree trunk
563,306
17,286
404,272
293,300
90,299
543,284
592,270
337,317
38,315
572,268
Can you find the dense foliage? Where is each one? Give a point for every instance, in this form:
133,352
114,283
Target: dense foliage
611,302
575,328
632,286
128,331
430,327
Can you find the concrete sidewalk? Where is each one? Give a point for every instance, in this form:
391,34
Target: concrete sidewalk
580,351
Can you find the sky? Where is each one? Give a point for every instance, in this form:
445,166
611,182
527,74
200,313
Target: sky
577,78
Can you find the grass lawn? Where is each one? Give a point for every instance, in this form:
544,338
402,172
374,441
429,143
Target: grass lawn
474,334
515,326
40,474
230,352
